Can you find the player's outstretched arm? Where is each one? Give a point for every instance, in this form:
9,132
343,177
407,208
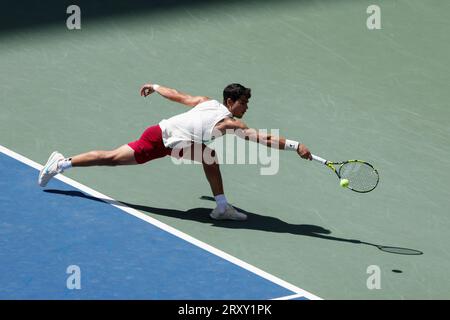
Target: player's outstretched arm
243,131
172,94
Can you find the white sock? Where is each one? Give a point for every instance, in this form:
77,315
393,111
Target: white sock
221,202
65,164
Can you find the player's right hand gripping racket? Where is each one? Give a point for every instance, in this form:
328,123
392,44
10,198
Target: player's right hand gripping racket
362,176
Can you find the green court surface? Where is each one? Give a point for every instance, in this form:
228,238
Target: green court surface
317,74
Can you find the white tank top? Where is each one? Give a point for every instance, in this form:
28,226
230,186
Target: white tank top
195,125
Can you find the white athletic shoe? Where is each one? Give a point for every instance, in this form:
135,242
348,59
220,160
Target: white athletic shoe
50,169
229,214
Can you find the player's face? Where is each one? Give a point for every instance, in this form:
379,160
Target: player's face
239,107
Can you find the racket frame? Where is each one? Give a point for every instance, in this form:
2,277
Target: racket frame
332,165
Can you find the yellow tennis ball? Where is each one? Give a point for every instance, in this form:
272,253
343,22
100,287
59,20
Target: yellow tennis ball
344,183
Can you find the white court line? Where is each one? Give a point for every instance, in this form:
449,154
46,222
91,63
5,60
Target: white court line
166,227
292,296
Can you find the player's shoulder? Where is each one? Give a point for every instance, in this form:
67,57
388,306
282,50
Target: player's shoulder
211,104
206,101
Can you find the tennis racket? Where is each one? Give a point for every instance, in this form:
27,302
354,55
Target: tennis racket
362,176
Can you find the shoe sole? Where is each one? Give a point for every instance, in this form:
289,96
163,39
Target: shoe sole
44,169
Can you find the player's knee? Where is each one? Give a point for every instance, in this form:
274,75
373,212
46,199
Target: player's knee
113,158
210,159
211,164
108,158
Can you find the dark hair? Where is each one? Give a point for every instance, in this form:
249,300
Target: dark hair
234,91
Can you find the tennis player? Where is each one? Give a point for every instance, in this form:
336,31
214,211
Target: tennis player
180,136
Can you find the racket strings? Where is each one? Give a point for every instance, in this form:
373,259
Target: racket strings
361,176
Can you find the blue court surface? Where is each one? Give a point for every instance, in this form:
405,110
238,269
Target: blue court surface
120,256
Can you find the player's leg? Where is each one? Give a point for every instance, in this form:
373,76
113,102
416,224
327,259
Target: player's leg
123,155
148,147
207,157
210,162
214,177
57,163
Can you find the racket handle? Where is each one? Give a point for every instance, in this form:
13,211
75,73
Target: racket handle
319,159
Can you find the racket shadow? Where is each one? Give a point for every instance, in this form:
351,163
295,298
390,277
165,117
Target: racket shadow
254,222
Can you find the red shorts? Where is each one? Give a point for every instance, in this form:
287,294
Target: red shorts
150,145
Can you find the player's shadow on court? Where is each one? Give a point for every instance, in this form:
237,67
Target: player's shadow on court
254,222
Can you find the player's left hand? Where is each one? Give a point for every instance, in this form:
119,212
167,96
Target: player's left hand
146,89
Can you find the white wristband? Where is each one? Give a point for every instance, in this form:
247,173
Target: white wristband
155,86
291,145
